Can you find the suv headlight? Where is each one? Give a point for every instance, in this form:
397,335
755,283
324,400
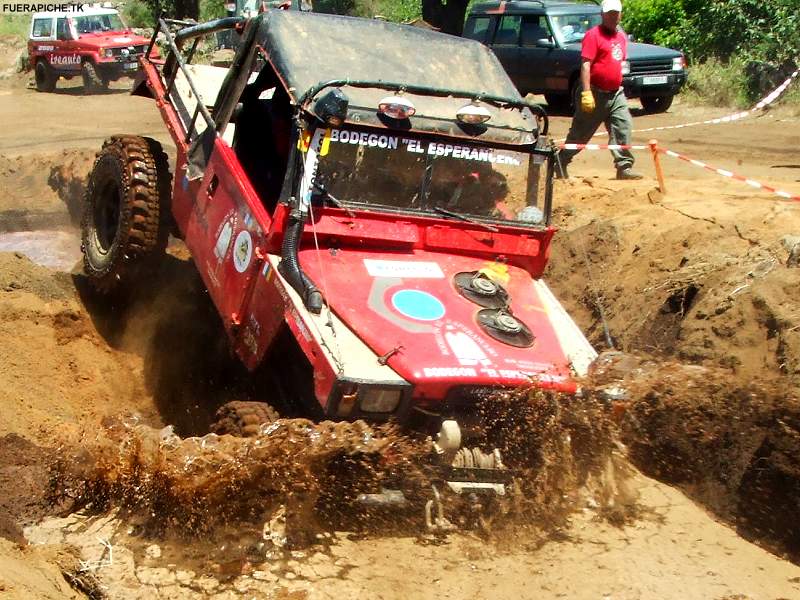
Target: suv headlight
379,400
678,63
108,52
626,67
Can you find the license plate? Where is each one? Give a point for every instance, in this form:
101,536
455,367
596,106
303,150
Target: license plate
654,80
130,66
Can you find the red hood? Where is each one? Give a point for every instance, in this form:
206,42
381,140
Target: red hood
411,301
112,39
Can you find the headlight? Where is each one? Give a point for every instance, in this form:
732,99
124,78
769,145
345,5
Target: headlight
108,52
379,400
626,67
678,63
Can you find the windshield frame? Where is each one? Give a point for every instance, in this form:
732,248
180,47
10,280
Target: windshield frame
313,192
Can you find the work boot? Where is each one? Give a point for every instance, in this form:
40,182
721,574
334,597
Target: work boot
628,173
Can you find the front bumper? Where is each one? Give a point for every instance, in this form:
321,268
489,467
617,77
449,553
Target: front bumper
116,69
653,84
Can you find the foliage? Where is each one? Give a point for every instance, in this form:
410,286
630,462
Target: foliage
656,21
138,13
212,9
15,25
767,30
716,83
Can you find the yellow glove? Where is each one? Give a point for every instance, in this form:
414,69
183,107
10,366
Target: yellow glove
587,101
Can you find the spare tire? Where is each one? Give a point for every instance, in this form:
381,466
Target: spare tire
126,215
243,419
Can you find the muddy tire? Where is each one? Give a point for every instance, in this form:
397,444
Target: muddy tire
92,82
243,419
126,215
45,78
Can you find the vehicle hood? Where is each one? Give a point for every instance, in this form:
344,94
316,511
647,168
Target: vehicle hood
637,51
112,39
408,307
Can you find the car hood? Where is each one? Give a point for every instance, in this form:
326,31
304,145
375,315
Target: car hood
639,51
112,40
409,308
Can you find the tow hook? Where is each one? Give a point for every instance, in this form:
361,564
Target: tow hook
435,520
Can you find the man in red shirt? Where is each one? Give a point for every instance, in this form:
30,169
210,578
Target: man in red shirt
602,99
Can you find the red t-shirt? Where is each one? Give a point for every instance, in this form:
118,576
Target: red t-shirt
606,51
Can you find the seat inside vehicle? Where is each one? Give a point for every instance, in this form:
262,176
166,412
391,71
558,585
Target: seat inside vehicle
263,135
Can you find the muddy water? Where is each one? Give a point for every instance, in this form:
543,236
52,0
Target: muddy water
56,249
559,449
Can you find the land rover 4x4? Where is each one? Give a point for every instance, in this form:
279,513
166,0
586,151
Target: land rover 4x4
90,42
539,44
368,205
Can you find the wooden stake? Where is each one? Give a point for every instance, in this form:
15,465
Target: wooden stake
657,162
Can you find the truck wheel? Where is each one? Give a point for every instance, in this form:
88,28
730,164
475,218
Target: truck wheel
126,215
656,104
45,78
92,82
243,419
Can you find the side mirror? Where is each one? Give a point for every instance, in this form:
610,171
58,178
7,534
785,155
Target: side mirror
545,43
631,38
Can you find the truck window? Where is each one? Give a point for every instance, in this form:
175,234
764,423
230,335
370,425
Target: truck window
534,28
62,29
476,28
508,32
42,28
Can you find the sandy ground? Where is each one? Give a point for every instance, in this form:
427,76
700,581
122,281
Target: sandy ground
699,274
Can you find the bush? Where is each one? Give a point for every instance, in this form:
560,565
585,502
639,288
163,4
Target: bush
717,84
654,21
15,25
138,14
212,9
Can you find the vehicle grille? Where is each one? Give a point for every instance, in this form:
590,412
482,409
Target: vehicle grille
132,50
647,67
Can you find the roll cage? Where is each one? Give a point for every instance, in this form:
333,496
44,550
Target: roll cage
254,71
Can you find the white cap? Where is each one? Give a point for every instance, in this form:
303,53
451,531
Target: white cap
611,5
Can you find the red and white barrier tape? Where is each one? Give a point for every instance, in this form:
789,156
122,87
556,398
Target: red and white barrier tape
683,157
725,173
765,101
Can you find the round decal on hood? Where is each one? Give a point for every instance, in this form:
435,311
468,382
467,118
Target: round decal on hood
419,305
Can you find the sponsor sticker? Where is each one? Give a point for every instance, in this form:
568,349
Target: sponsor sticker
403,268
242,251
224,239
418,305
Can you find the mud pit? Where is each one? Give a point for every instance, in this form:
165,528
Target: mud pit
698,276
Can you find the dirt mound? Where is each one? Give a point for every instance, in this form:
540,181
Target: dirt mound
731,445
704,278
43,191
24,479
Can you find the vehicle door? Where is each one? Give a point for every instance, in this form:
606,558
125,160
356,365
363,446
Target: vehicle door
42,37
536,53
68,58
226,227
506,46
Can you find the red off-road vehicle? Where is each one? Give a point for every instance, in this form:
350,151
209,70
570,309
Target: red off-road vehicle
379,196
90,42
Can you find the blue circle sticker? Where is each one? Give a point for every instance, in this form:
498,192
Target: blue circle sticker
418,305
